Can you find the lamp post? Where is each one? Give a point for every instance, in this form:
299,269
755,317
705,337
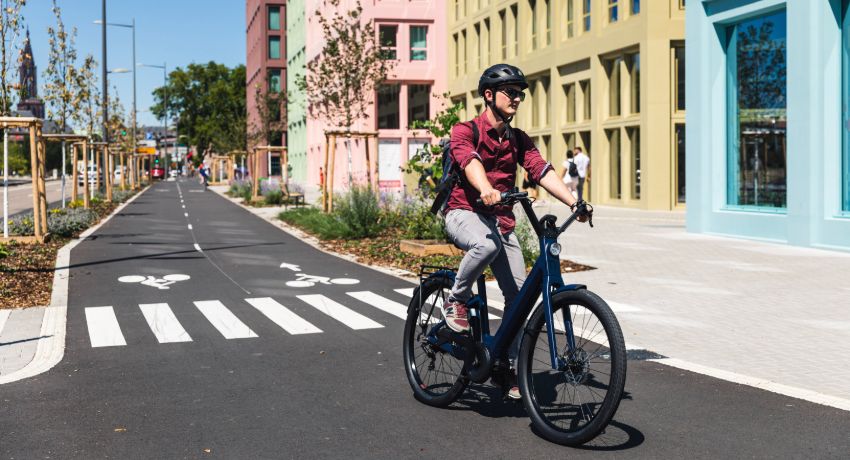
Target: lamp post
132,26
165,102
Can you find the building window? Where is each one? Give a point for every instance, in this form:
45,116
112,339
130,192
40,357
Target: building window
274,18
463,59
845,40
389,41
634,147
757,88
680,162
532,5
274,80
635,7
681,4
418,43
485,44
634,82
613,11
388,106
570,18
514,16
456,50
274,47
585,94
418,103
570,92
547,9
679,69
614,157
457,9
614,87
503,24
586,15
476,43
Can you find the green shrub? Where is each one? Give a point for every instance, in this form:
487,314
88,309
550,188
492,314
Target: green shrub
273,197
313,220
360,212
528,241
4,252
420,224
60,222
120,196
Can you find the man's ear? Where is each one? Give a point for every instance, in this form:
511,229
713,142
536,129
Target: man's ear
488,91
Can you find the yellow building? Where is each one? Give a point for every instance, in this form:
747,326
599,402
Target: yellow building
606,75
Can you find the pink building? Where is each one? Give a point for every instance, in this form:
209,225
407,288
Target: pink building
415,30
266,67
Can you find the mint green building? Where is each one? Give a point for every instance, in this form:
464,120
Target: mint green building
296,101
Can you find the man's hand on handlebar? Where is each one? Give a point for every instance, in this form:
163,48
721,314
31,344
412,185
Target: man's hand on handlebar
491,197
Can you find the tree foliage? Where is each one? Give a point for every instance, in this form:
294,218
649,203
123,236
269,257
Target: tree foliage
426,162
208,103
761,68
11,24
59,88
269,124
340,82
88,97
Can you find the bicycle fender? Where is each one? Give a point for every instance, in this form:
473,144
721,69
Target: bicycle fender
569,287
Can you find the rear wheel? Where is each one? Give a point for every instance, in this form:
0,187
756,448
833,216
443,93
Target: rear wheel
573,404
436,377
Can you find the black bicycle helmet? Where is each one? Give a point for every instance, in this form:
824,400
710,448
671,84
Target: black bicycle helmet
499,75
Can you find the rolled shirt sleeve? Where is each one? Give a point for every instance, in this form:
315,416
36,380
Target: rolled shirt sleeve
462,150
533,162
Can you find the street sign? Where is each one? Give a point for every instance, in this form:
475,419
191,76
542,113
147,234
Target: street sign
146,150
147,143
182,150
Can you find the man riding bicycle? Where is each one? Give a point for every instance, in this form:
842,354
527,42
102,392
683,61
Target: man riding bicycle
486,232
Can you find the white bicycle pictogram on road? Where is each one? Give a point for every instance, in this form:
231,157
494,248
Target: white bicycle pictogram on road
159,283
305,280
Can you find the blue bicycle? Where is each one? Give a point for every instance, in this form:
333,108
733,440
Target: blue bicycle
571,367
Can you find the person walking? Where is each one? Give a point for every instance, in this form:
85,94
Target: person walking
570,173
583,166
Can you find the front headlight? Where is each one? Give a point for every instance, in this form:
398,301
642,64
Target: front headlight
555,249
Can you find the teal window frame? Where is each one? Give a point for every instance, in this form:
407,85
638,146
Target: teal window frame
275,83
274,18
274,47
845,109
733,147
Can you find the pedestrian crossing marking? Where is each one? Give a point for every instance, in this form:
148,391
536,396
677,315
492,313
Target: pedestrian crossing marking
224,320
104,330
381,303
339,312
282,316
163,323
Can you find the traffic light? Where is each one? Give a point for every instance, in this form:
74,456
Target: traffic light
156,160
123,132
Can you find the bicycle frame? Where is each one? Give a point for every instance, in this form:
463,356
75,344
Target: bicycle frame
544,278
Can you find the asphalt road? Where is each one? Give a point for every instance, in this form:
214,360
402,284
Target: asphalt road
20,196
211,375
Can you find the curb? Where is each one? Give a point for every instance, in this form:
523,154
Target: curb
50,350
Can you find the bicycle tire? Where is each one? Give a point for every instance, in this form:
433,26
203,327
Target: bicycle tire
575,424
437,379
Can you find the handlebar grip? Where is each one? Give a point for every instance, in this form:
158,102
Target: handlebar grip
504,196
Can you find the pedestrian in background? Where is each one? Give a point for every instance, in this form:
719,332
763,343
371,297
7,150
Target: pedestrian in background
583,166
570,173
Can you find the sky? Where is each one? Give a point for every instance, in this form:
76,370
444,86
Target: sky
174,32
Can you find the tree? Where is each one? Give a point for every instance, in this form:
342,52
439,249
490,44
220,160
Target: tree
87,96
341,81
59,88
11,21
268,125
426,162
208,103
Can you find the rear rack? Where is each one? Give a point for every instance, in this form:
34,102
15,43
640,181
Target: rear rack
426,271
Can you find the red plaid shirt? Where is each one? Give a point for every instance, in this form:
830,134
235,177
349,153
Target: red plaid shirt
500,161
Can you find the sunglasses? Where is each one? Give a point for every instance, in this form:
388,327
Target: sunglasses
513,93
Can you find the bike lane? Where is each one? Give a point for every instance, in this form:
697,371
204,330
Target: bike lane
338,392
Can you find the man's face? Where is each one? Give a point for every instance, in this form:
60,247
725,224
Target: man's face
504,102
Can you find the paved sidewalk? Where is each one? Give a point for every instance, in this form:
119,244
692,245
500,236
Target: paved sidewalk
774,312
19,336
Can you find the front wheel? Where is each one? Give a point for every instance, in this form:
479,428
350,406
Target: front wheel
572,404
436,377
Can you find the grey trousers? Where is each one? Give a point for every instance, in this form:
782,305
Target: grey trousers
485,245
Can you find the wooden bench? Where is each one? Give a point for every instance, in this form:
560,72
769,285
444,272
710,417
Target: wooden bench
295,198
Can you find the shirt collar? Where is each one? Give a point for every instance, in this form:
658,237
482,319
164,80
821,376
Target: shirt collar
487,127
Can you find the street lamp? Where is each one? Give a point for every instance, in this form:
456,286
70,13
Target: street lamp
127,26
165,102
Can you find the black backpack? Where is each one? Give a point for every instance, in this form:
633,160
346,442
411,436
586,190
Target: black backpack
451,174
573,169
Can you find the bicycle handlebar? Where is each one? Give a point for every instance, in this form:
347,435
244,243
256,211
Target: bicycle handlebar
582,208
